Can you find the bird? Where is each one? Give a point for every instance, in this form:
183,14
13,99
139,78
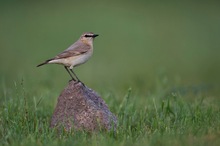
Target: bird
75,55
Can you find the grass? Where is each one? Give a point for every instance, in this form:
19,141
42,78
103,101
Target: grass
171,120
156,64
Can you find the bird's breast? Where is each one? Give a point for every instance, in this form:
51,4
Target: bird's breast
80,59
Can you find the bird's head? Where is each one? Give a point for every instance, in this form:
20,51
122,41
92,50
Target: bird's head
88,37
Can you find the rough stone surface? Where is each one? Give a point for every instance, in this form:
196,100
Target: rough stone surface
81,108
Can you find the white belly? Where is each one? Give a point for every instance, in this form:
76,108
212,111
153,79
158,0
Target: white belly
73,61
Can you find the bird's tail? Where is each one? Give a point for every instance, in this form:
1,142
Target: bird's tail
44,63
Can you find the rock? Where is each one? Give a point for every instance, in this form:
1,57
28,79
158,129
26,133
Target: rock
81,108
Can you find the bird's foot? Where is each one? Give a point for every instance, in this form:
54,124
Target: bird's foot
81,83
72,80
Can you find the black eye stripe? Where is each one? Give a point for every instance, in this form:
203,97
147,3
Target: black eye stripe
88,35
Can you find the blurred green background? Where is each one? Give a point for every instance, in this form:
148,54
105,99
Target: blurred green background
146,45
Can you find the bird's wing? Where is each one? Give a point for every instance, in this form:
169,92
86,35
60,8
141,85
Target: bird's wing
73,50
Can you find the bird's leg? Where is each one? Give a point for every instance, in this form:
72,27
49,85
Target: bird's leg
75,75
69,73
77,78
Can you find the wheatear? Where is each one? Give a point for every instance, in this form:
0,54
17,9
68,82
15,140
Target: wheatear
78,53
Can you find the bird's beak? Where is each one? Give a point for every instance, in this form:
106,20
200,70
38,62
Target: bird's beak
95,35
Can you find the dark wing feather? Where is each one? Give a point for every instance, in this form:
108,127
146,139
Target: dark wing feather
74,50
